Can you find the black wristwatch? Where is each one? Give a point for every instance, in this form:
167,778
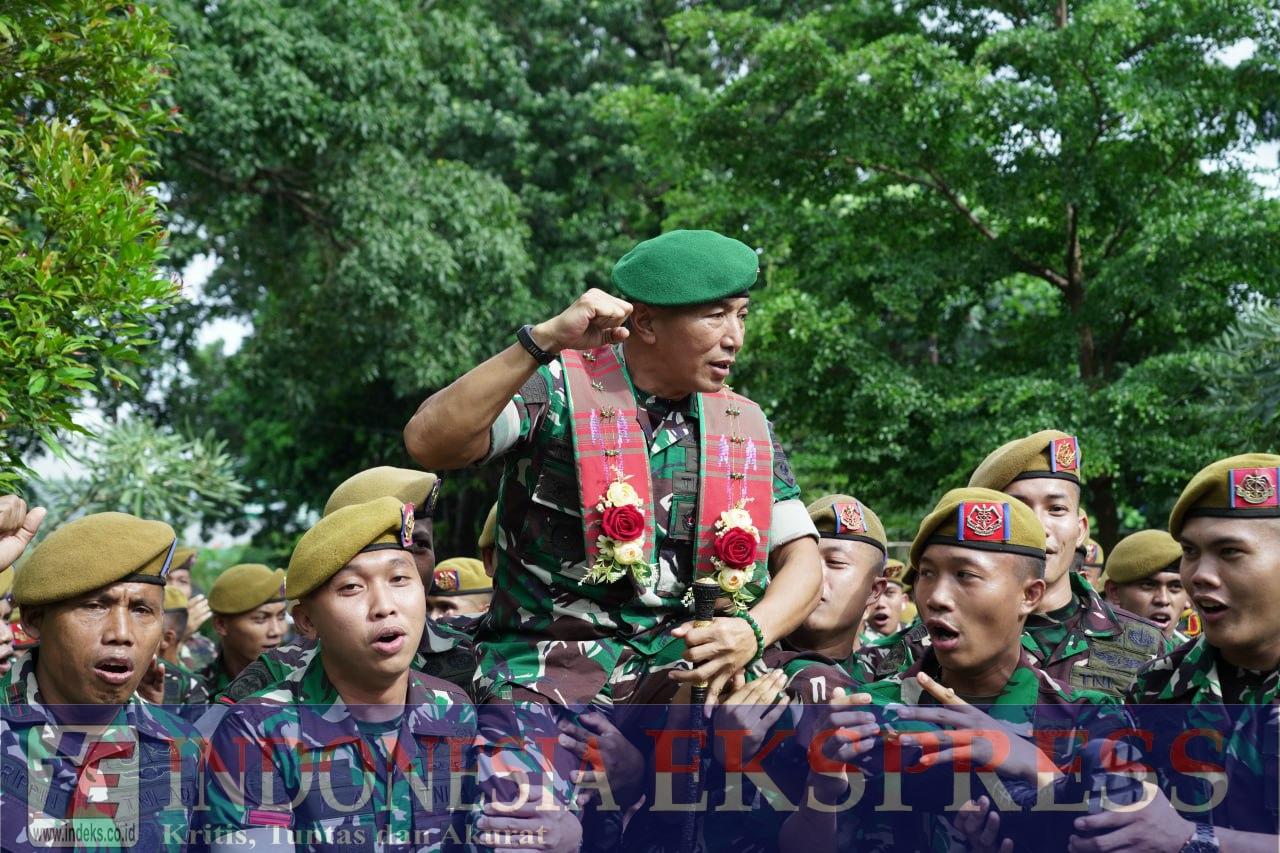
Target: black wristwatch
524,336
1204,840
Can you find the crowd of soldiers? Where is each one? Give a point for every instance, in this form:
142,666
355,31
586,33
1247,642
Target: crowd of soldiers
649,567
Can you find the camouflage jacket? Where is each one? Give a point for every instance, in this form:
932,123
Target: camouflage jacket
182,686
445,652
197,652
215,676
1098,647
132,783
890,655
314,777
1189,683
811,677
538,600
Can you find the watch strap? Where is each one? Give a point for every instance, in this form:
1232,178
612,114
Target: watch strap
525,336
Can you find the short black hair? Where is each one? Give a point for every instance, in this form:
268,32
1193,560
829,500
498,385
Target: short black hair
177,620
1031,567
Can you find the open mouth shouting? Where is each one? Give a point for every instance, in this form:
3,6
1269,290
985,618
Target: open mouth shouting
1161,617
942,635
115,670
1211,609
389,640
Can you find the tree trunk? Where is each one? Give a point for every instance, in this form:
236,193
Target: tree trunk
1104,522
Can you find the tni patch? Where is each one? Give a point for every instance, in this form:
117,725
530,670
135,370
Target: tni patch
1064,454
1253,488
982,522
849,518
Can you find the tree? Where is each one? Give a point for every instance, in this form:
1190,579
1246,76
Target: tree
982,219
80,241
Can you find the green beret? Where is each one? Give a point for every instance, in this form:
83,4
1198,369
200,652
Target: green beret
183,558
242,588
895,571
686,268
406,485
843,517
92,552
460,576
1048,453
175,600
983,519
489,533
6,582
1094,556
1237,487
1143,554
383,523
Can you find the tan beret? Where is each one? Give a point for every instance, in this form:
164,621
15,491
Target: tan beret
489,533
242,588
460,576
895,571
175,600
1094,556
983,519
92,552
1237,487
184,558
843,517
405,485
335,539
1048,453
6,582
1143,554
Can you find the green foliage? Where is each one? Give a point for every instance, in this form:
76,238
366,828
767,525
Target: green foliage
138,468
982,219
80,240
1247,368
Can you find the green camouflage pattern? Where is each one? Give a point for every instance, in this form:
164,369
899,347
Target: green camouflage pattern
812,678
546,632
215,676
182,686
144,749
444,652
197,652
888,656
356,791
1097,647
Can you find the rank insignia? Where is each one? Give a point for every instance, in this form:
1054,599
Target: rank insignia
982,522
406,526
1064,454
445,580
849,518
1253,488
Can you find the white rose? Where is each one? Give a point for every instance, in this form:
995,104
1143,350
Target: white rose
628,553
732,580
622,494
735,518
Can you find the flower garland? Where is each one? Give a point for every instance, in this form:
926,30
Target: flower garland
622,546
737,542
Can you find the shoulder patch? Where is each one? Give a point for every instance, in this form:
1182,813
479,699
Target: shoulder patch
535,389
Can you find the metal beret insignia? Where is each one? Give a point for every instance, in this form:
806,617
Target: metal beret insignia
446,580
406,526
1064,454
849,518
982,522
1253,488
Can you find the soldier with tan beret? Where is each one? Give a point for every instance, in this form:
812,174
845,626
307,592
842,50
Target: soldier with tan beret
1094,559
248,603
197,650
181,685
92,594
460,593
1142,577
1043,471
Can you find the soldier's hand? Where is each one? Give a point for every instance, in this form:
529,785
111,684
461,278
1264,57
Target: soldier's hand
980,826
750,712
18,526
555,830
613,759
717,651
198,613
151,687
1153,827
594,320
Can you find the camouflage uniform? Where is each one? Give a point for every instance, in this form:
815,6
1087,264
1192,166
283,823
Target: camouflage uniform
1243,706
348,791
890,655
1090,645
444,653
197,652
215,676
140,773
548,637
182,686
811,677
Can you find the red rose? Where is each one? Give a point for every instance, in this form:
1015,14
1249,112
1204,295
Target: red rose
623,523
737,547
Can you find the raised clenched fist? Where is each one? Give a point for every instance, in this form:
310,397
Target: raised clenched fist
593,320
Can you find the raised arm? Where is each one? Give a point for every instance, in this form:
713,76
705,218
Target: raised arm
451,428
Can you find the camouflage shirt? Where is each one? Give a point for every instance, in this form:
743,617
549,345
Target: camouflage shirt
197,652
890,655
182,686
317,777
131,783
215,676
539,605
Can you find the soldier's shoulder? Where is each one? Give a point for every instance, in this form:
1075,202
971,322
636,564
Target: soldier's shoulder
1155,680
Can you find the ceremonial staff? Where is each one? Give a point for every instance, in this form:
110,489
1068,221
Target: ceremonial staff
705,593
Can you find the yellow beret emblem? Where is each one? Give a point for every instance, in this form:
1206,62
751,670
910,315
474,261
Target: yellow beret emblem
1254,486
1066,454
406,526
447,580
849,518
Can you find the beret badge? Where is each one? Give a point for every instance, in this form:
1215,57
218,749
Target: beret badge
849,518
406,526
446,580
1064,454
1253,487
982,522
1091,554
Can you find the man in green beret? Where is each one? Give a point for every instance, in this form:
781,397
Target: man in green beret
444,652
248,614
1043,471
181,685
357,717
1142,577
979,558
1227,521
91,765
